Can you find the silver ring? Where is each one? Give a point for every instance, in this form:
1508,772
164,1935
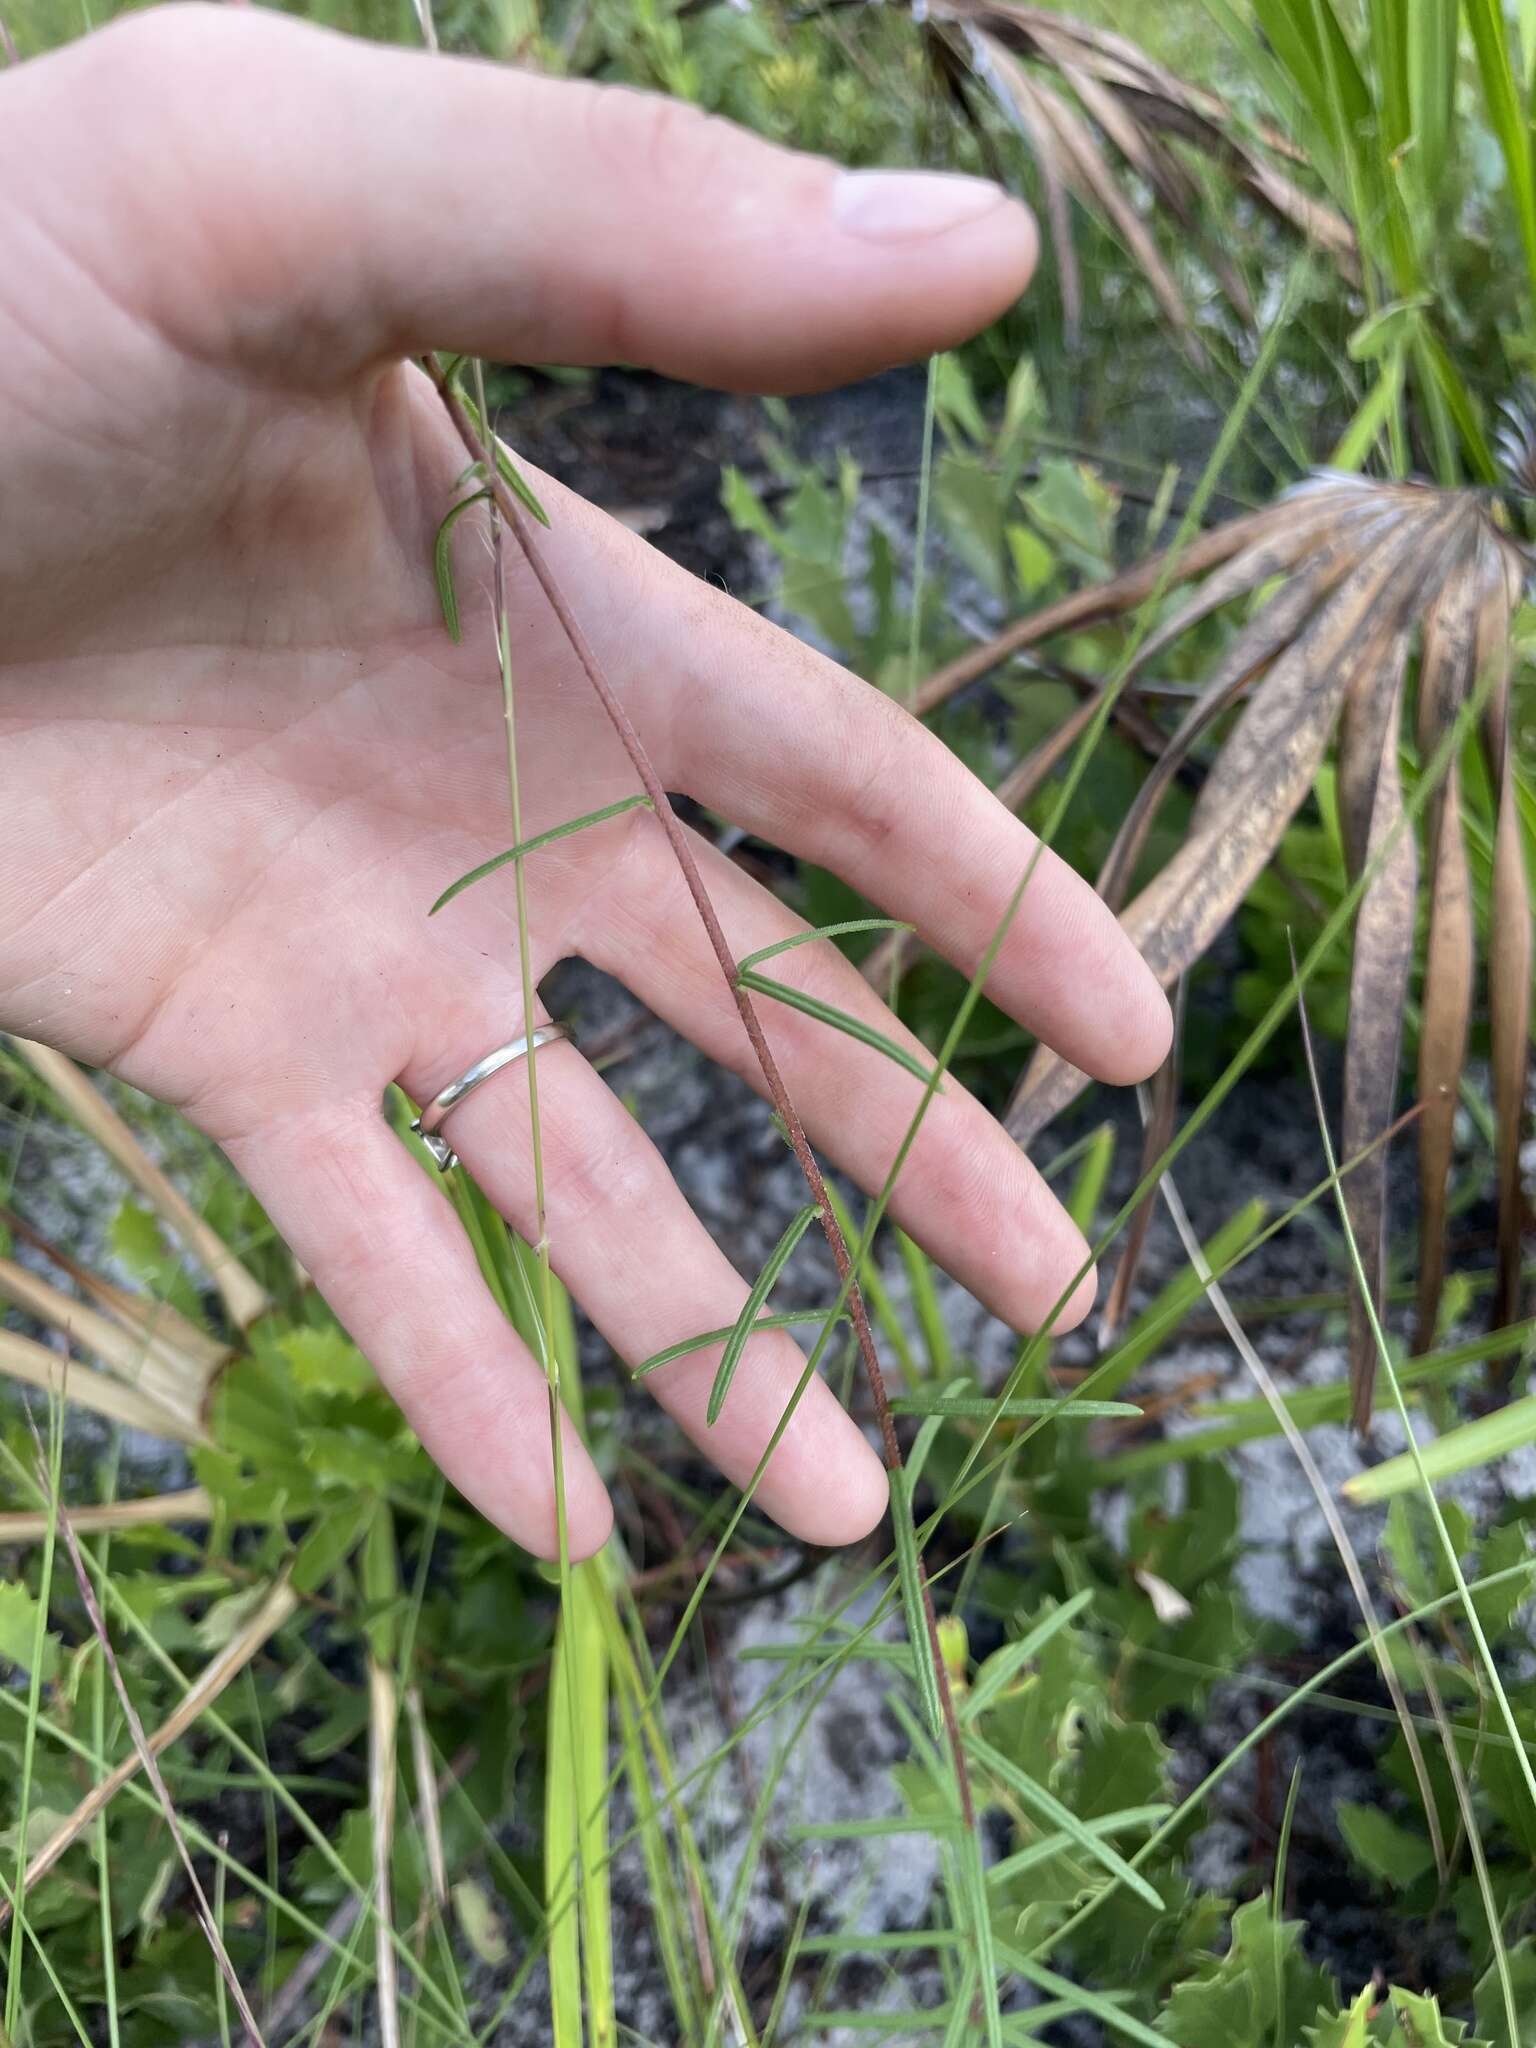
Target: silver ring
426,1125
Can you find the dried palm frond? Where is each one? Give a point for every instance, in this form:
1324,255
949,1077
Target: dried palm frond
243,1296
1367,576
1147,116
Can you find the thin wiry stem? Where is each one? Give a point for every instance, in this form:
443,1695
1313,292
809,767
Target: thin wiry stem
592,667
151,1768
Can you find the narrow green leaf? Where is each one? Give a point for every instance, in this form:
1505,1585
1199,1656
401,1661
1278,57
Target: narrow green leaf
521,489
931,1319
909,1576
1029,1792
1474,1443
789,1320
442,562
746,1322
1105,2010
825,1013
1506,115
1087,1191
1003,1666
526,846
977,1408
900,1940
1151,1329
1104,1825
860,1830
823,931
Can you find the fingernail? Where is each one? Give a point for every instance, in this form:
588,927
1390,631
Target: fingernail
906,206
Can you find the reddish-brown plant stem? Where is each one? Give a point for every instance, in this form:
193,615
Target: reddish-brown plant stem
592,667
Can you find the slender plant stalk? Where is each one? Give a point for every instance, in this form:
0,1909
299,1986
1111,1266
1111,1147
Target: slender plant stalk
1389,1371
619,718
151,1768
1301,1450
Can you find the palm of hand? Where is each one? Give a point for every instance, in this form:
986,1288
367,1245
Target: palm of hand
244,758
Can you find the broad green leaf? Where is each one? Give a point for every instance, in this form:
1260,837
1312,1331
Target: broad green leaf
23,1641
1394,1855
326,1361
1489,2000
1263,1977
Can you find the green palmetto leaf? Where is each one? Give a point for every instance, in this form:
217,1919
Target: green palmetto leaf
532,845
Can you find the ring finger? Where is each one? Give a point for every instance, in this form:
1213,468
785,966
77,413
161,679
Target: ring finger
630,1249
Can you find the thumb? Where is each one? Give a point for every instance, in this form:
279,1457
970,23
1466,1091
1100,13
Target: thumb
364,201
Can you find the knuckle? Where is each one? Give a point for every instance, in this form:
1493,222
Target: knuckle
667,142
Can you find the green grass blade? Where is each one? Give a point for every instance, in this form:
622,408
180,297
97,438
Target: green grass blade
1000,1669
1506,115
1031,1793
746,1322
1106,1825
1474,1443
17,1892
840,1020
926,1306
1151,1329
1087,1191
790,1319
977,1408
909,1577
822,931
527,846
442,562
1077,1998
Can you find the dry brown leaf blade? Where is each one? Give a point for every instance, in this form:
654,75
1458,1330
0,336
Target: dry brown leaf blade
279,1605
1371,816
1509,975
1157,1136
33,1365
1447,671
242,1294
1114,597
1010,86
1257,783
147,1757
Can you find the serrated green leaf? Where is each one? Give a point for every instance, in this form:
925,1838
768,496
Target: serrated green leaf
20,1620
1394,1855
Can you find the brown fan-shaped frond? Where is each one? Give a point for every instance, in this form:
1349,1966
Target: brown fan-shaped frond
1066,84
1376,582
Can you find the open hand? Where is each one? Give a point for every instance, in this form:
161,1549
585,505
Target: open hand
242,757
